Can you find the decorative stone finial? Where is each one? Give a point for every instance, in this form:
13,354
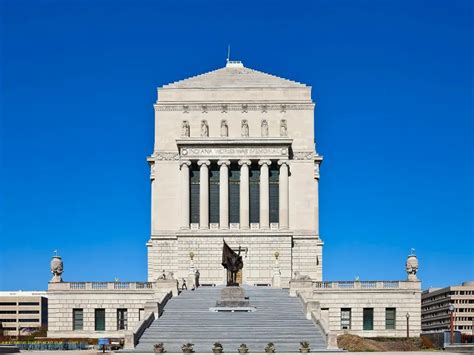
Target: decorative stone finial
411,266
57,268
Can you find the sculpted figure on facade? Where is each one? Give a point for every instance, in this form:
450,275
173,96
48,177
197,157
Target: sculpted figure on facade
224,129
283,128
298,276
185,131
264,128
204,129
245,128
57,268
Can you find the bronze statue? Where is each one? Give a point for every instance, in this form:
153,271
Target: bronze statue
232,262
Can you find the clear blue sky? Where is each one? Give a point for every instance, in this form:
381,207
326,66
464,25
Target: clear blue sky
393,86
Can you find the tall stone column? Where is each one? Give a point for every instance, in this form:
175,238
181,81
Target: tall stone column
244,194
204,193
224,193
184,207
264,193
284,194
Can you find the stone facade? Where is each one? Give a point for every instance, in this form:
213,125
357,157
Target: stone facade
235,115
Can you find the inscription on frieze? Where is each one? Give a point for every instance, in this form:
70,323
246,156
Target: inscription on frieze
234,152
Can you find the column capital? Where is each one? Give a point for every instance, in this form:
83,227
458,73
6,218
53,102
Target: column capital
283,162
204,162
265,162
245,162
184,162
223,162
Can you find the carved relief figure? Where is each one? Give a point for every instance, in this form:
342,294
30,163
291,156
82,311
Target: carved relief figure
185,129
283,128
204,129
264,128
245,128
224,129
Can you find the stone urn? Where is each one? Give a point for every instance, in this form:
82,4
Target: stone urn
304,347
217,348
243,349
411,267
57,268
159,348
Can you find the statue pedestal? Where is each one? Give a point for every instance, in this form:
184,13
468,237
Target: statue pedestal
232,300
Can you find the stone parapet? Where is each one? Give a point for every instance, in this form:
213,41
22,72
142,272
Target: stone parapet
101,286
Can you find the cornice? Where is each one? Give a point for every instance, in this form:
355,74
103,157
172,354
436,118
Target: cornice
225,107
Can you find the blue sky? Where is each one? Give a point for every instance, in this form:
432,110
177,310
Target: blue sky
394,121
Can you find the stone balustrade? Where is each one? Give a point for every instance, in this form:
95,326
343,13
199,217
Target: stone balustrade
98,286
321,285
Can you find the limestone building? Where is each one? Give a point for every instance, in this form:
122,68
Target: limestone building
235,159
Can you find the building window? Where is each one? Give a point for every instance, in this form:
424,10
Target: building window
194,193
77,319
274,193
100,319
29,312
122,319
345,318
141,313
214,194
390,315
234,193
7,303
29,303
368,319
29,320
254,189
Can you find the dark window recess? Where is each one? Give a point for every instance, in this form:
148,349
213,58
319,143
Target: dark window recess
368,319
99,319
8,320
141,313
214,194
194,193
390,317
274,193
9,328
77,319
234,194
122,321
29,312
7,303
29,303
29,320
7,312
254,189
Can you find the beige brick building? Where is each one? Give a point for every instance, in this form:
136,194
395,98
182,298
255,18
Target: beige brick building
435,302
23,312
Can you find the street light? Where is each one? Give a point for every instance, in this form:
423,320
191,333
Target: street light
451,323
408,325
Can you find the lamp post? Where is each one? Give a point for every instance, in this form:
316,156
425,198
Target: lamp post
408,325
451,322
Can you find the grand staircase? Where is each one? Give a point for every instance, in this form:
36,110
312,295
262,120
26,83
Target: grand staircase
279,319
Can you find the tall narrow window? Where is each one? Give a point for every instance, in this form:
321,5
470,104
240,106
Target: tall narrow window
122,319
368,319
77,319
194,193
390,316
254,188
141,313
274,193
345,318
214,193
99,319
234,193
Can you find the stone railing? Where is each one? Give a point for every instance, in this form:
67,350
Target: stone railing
101,286
359,284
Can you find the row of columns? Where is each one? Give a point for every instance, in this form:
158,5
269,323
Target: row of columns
244,194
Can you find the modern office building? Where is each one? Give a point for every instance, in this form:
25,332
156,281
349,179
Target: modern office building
23,312
435,308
